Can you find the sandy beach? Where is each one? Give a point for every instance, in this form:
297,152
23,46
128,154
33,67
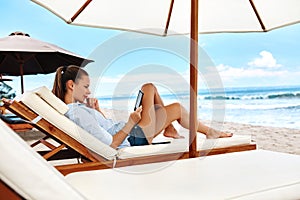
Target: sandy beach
268,138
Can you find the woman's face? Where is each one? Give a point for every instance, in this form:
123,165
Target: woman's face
81,89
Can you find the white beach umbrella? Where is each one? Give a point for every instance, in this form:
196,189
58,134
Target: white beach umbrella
167,17
162,15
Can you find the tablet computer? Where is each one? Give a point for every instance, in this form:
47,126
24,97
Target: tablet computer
139,98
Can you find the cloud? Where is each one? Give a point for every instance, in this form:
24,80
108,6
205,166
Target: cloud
266,60
244,77
232,72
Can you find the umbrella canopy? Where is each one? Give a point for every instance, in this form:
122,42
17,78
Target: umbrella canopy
179,17
22,55
173,16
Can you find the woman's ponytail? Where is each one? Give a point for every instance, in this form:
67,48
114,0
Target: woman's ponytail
58,87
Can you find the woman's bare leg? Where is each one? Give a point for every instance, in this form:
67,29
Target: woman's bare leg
153,107
156,117
177,112
148,115
209,132
170,130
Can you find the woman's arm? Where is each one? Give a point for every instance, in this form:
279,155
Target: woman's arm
86,121
133,119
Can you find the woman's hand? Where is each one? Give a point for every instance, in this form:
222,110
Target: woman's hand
135,116
92,103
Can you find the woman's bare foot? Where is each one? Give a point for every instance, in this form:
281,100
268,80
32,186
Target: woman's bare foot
213,134
170,131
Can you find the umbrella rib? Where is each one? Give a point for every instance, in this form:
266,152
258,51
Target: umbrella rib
80,10
257,15
169,18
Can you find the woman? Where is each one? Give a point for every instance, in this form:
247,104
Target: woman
71,85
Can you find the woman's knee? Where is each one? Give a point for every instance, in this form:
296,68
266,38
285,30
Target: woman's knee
173,111
177,106
148,86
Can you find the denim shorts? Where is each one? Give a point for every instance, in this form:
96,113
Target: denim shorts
137,137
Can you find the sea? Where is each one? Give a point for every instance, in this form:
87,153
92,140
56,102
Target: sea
265,106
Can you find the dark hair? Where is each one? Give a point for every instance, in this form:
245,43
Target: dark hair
63,74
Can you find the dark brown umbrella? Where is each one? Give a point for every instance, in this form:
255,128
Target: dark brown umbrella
22,55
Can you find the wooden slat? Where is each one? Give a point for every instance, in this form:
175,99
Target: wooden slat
54,151
20,127
47,144
62,154
39,141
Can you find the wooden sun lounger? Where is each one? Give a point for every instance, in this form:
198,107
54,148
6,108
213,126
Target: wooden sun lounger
94,160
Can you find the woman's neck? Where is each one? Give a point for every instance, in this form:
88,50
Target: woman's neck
69,98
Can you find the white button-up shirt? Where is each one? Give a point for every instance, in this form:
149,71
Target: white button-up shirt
95,123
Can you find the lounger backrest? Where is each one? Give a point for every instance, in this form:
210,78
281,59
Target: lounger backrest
27,173
51,99
47,111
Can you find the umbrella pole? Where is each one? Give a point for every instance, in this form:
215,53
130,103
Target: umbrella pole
22,84
22,81
193,79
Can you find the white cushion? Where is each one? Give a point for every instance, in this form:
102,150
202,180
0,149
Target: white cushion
51,99
43,109
181,145
244,175
28,173
206,144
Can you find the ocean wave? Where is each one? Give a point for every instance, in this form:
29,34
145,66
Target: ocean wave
254,97
289,107
221,98
284,95
254,107
229,94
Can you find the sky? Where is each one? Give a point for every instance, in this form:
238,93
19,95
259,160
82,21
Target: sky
241,60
